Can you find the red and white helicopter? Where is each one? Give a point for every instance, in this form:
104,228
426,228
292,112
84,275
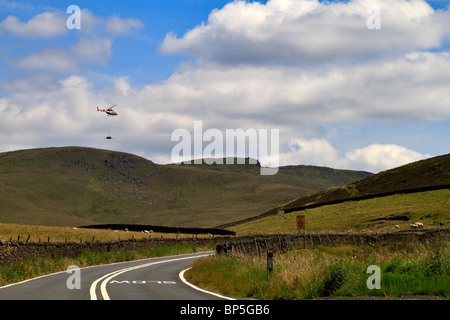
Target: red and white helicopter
109,111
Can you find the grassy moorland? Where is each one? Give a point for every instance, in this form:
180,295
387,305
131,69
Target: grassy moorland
425,173
34,233
331,272
74,186
378,214
407,269
428,174
375,214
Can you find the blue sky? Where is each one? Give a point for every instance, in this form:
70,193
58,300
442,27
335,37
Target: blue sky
342,95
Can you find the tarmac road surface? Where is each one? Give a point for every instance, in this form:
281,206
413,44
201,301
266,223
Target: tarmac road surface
148,279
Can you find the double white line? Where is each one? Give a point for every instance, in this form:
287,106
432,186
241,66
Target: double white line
107,278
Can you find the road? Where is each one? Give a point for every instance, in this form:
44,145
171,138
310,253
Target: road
149,279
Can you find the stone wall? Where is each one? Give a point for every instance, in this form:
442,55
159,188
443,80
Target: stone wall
13,251
261,244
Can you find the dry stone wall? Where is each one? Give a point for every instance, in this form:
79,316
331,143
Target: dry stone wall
261,244
13,251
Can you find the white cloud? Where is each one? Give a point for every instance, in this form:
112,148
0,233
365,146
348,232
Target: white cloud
373,158
309,31
410,88
224,91
118,25
93,41
122,86
93,50
379,157
67,115
314,151
50,60
43,25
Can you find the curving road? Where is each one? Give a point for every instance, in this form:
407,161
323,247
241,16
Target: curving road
149,279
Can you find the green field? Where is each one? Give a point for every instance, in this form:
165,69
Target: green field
378,214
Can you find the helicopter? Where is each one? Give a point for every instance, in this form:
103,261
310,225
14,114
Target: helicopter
109,111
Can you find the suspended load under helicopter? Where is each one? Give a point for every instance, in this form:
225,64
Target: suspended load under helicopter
110,113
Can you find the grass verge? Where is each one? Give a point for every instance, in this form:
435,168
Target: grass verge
38,266
339,271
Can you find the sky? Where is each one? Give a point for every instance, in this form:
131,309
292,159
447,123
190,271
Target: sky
357,84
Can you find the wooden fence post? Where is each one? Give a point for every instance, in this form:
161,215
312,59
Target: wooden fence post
269,265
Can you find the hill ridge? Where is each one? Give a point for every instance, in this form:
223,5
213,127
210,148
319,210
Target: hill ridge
70,186
424,175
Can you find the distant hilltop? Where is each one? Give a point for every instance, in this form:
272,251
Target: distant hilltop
73,186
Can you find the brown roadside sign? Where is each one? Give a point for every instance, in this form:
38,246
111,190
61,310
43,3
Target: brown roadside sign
300,221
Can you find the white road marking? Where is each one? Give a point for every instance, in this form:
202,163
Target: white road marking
181,275
106,278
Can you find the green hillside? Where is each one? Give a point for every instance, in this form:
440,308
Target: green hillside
419,191
421,174
378,214
79,186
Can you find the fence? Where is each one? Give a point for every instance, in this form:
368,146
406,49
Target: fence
12,251
261,244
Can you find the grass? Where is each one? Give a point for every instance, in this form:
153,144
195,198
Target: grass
429,172
74,186
335,272
37,266
429,207
62,234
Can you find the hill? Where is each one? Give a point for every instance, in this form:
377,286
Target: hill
389,195
426,174
74,186
370,215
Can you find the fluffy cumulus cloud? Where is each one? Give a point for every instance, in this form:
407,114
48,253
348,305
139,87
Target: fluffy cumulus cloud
373,158
118,25
310,31
93,49
296,66
411,87
43,25
377,157
48,60
252,97
93,45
